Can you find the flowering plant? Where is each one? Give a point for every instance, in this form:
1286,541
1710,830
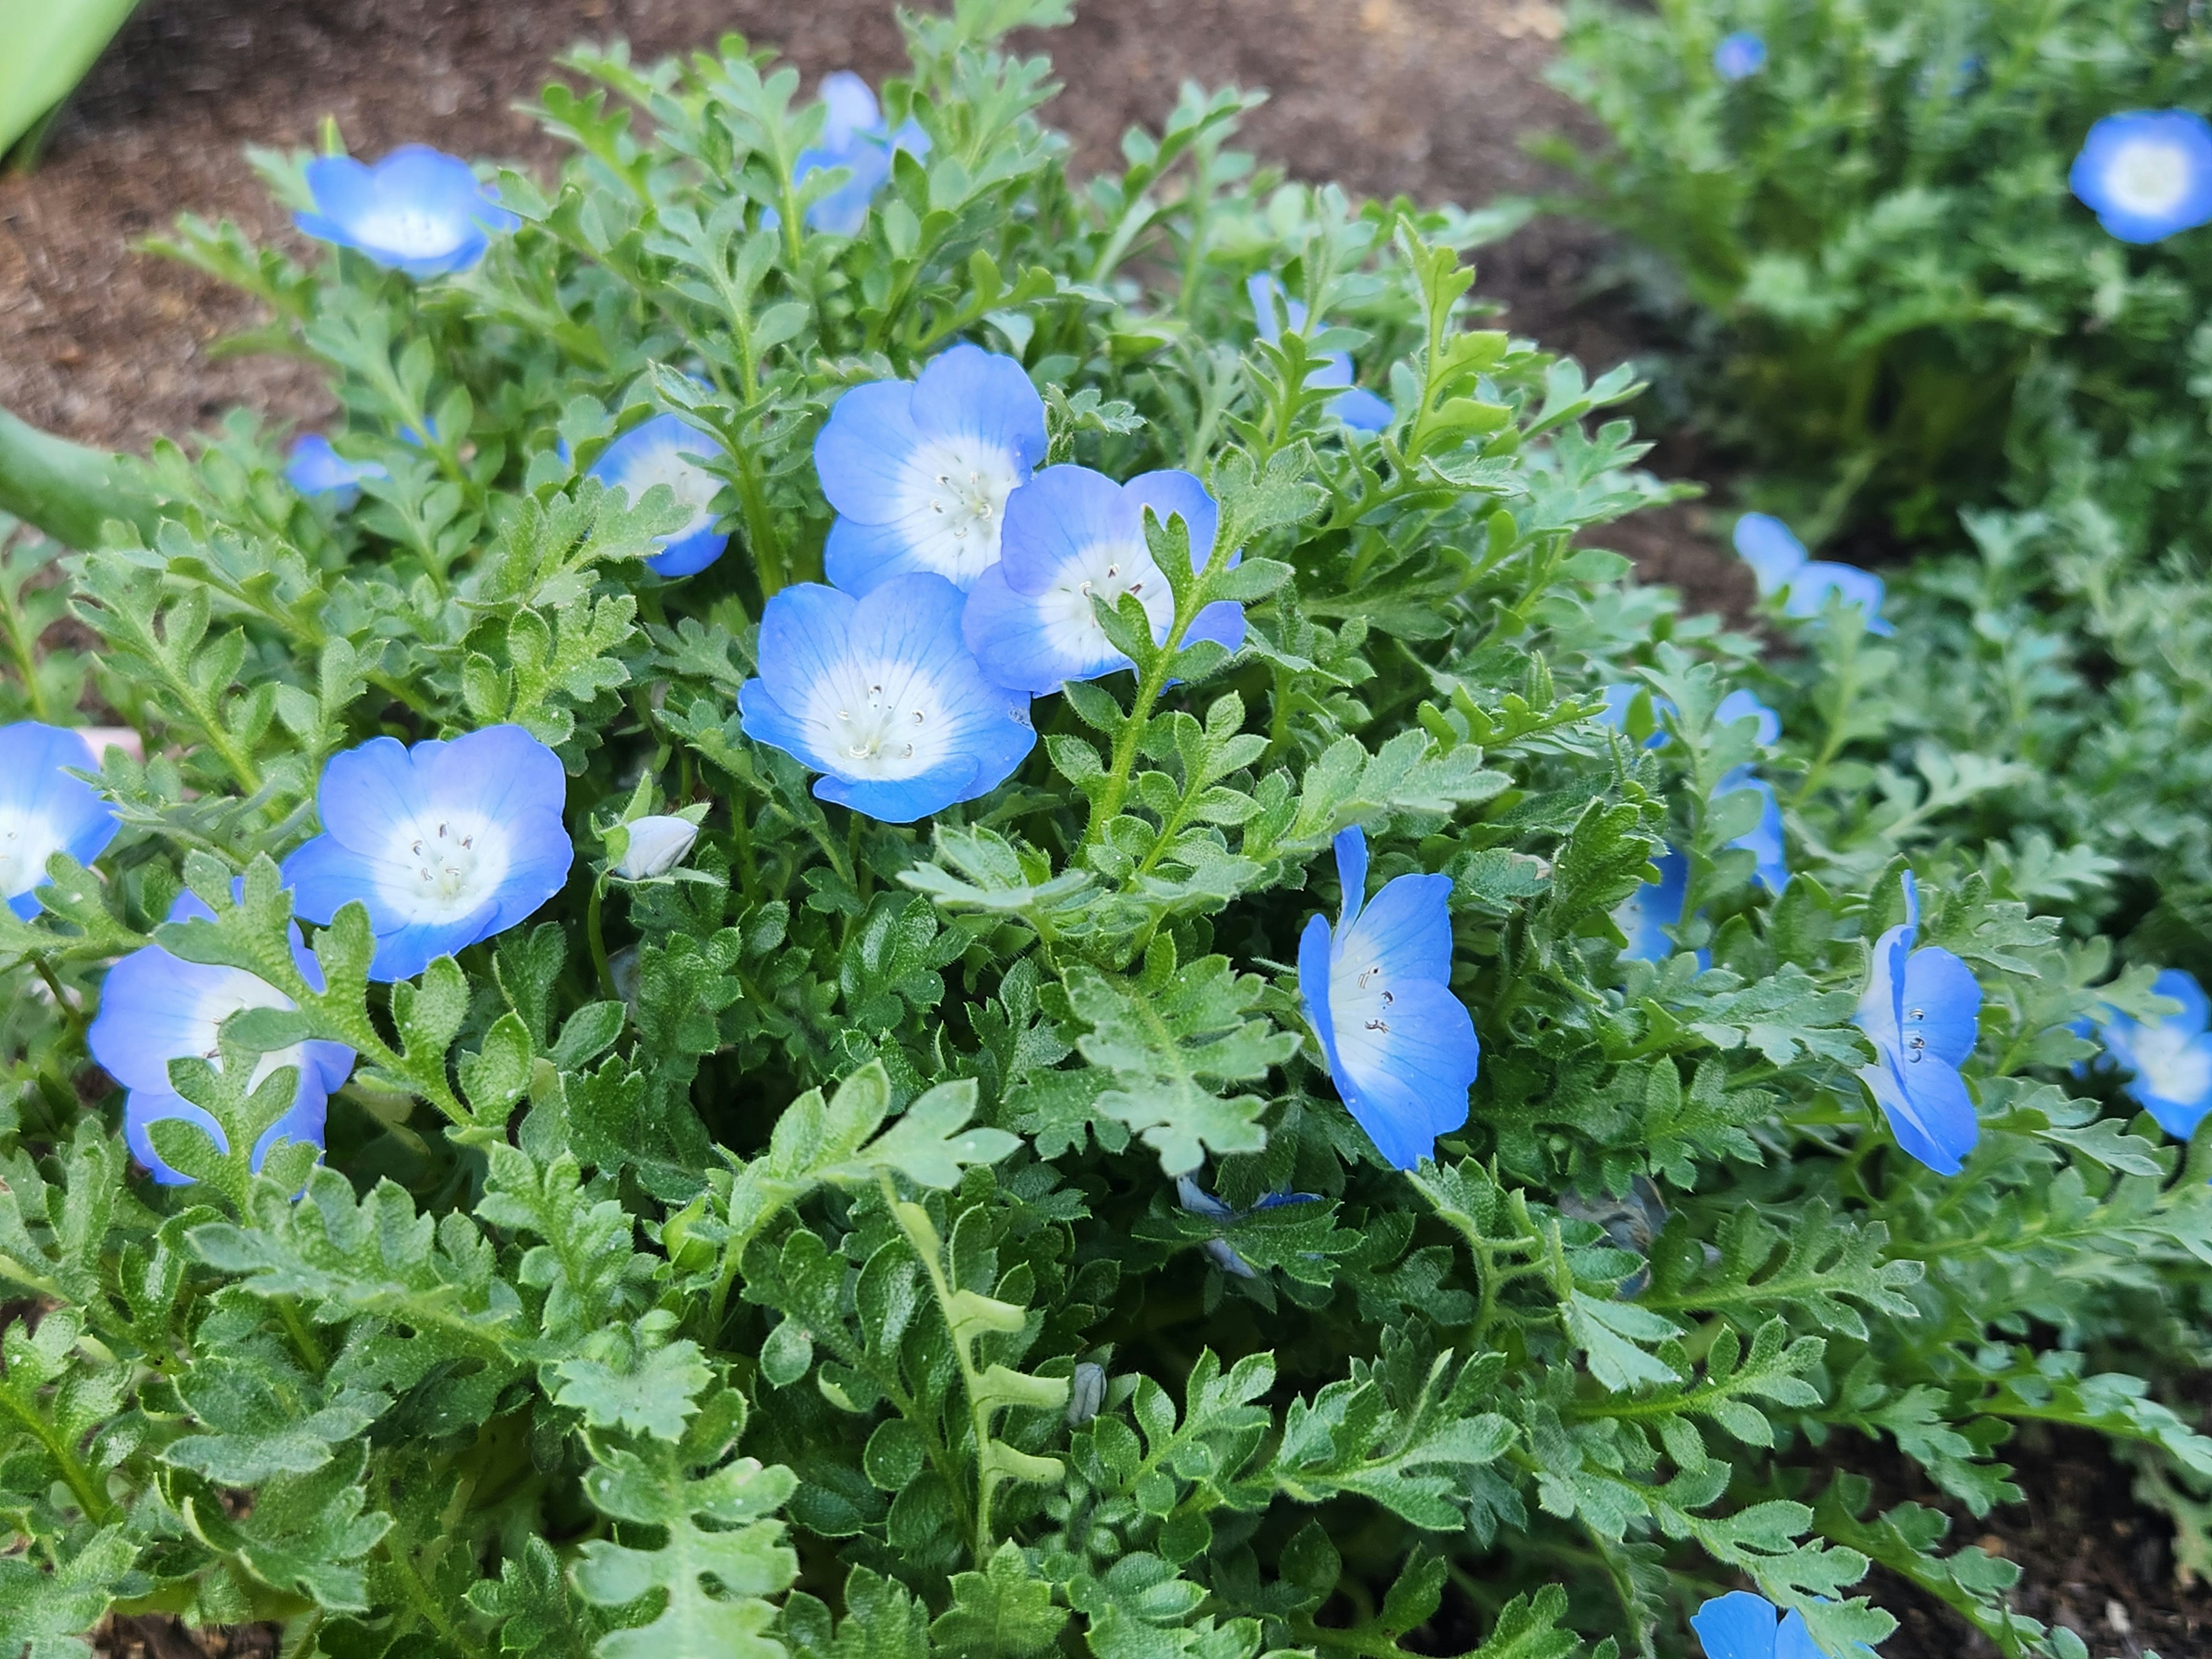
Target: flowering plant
833,1099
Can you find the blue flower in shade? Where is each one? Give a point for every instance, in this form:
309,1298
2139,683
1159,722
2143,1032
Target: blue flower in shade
1357,407
1196,1201
1765,840
920,471
2171,1060
1739,56
1919,1012
1646,914
418,211
1378,993
1778,563
880,695
2147,174
155,1008
666,450
1742,1625
1071,535
313,468
855,137
43,811
446,843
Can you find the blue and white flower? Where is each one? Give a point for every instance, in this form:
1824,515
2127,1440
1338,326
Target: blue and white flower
1646,915
881,695
855,137
1378,993
418,211
1742,1625
920,471
155,1007
668,450
1920,1011
1739,56
1778,563
315,469
1073,535
43,811
1359,407
2171,1058
1196,1201
446,843
2147,173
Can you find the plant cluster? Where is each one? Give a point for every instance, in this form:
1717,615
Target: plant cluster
911,907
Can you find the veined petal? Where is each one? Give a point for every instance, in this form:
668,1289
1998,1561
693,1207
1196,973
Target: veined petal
366,794
1941,1003
1351,849
861,453
1929,1112
1741,704
1172,492
1313,986
802,639
979,396
501,772
1882,1005
1737,1625
1794,1641
1408,1083
406,951
1405,930
902,800
1056,517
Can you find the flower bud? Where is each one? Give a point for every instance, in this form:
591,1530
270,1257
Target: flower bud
657,845
1086,1392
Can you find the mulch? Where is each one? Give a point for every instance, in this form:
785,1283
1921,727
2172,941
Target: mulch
1427,97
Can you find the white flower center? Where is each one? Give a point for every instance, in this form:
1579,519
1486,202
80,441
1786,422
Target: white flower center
2174,1064
410,232
880,720
218,1002
1106,570
955,500
2149,176
27,841
695,487
443,867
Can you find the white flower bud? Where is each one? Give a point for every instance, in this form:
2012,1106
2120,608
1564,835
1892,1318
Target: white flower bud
1087,1392
657,845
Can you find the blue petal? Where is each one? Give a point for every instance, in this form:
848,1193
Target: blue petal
689,556
1739,56
765,721
500,771
1941,1004
325,876
1929,1110
2180,986
902,800
149,1015
1351,847
1737,1625
1743,705
1794,1641
1313,984
1054,519
1646,914
1362,410
1406,930
143,1108
1410,1084
1222,622
1263,291
406,951
1764,842
803,634
367,794
1173,493
1911,887
1620,697
1810,587
969,393
1880,1012
852,107
844,211
1769,548
1198,1201
917,619
861,453
313,468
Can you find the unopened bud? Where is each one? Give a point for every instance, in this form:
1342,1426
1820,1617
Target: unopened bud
657,845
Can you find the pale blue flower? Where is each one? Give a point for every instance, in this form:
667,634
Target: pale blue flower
445,842
857,138
1742,1625
920,471
1646,915
880,695
1739,56
155,1007
1196,1201
1378,992
2147,174
418,211
1357,407
2172,1059
668,450
1920,1011
1778,562
1073,535
43,811
313,468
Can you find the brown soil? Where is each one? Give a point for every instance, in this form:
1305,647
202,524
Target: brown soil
1426,97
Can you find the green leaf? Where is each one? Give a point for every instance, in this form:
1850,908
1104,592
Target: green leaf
1001,1613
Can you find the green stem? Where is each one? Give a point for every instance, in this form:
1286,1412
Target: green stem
596,934
96,1505
67,489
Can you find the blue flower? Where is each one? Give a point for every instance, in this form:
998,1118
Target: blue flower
1359,407
1778,562
1196,1201
1619,697
1742,1625
1378,993
2147,174
920,471
661,452
445,842
313,468
880,695
155,1008
1764,840
2171,1060
1072,533
857,138
417,210
43,811
1739,56
1744,705
1919,1012
1646,914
